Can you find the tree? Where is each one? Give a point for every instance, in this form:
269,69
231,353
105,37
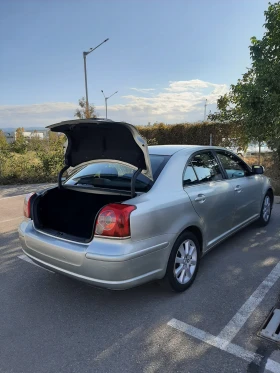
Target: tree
83,112
35,143
56,140
254,100
3,141
20,143
52,156
4,147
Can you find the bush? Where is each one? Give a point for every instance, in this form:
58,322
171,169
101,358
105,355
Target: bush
20,168
32,161
40,160
271,163
193,134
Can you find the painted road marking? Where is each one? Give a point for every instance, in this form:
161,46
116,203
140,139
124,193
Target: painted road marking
239,319
216,341
5,221
223,340
25,258
272,366
231,348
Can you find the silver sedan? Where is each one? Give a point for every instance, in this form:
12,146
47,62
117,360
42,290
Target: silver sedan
127,213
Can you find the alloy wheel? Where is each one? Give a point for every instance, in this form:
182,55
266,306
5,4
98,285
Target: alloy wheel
266,208
185,262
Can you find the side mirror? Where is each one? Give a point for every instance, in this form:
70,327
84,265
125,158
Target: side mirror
257,170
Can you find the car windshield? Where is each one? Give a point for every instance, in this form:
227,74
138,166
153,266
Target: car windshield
114,175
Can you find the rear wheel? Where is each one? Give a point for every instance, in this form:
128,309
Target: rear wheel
183,262
266,210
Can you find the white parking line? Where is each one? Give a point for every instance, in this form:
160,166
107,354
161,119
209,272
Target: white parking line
223,340
229,347
272,366
25,258
239,319
216,341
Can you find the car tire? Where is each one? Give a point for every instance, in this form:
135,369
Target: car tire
266,210
183,262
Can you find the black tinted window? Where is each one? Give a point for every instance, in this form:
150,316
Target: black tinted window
233,166
115,175
206,167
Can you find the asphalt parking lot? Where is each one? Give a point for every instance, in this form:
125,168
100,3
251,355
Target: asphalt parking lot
50,323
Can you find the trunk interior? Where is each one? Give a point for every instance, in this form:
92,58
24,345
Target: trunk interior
70,214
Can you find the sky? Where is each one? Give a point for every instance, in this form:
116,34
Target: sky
164,57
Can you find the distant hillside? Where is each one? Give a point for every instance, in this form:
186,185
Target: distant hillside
13,129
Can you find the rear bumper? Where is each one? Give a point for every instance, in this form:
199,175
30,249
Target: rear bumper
126,264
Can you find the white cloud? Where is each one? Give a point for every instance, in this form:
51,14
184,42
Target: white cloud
143,90
179,101
183,85
35,114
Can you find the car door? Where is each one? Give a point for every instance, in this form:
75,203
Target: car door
245,187
209,193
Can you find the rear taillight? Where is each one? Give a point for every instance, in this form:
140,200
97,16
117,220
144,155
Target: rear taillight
27,205
114,220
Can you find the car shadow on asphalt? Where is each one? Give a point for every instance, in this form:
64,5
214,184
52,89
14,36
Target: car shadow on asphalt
77,313
9,249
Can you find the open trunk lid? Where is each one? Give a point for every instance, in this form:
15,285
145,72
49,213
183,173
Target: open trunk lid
93,139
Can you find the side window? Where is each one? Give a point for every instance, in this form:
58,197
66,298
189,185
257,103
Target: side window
189,176
206,167
233,166
203,167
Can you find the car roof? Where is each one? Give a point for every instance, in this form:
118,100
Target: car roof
172,149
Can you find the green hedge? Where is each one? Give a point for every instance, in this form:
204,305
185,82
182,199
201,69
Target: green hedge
40,160
192,134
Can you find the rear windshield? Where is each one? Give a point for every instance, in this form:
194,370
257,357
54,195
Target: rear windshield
113,175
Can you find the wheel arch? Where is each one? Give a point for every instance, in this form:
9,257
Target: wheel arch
169,273
198,234
270,192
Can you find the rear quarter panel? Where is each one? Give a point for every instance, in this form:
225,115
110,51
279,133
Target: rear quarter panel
166,209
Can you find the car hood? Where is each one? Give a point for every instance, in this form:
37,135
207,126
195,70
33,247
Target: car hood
93,139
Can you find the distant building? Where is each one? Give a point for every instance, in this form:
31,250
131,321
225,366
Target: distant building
31,134
35,134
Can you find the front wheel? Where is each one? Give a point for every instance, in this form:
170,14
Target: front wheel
183,262
266,210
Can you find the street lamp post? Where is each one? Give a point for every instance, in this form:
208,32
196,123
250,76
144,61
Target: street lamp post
85,68
205,106
106,100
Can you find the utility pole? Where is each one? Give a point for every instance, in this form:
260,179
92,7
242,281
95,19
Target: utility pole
85,69
205,106
106,100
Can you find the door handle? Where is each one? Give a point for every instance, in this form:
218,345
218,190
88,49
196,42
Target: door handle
238,189
200,198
